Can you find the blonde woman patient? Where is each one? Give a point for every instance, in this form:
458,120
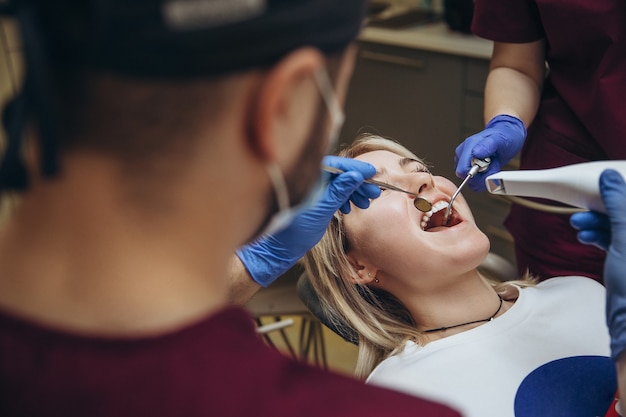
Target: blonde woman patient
430,324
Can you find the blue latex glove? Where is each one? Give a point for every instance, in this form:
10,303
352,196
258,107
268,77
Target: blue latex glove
609,233
593,228
501,140
269,257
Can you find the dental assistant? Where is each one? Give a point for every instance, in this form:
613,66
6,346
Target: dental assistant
555,91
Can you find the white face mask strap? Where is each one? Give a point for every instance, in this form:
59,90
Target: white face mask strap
285,213
328,94
279,185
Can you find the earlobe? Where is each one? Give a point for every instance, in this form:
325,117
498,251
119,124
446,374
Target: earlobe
364,273
283,109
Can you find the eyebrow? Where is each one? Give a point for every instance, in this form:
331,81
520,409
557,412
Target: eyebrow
407,161
402,162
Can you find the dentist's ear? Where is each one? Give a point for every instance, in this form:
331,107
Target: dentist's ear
283,109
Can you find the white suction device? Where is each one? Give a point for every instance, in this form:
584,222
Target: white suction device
576,185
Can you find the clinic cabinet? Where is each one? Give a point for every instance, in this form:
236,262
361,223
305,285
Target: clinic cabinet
429,102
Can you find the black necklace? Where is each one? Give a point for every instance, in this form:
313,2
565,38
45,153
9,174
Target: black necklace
440,329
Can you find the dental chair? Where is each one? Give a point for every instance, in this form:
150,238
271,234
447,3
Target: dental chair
275,308
494,267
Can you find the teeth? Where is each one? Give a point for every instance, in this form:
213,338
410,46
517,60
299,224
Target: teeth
438,206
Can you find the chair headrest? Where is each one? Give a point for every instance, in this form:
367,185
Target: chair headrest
312,302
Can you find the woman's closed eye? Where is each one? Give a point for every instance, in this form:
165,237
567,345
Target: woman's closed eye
410,166
420,167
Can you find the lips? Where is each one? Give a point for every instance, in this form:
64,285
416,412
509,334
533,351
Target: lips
433,220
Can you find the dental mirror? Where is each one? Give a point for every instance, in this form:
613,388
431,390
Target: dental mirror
420,203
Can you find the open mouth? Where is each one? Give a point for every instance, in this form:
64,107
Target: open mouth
433,220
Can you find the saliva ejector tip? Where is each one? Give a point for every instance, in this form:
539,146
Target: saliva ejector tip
478,165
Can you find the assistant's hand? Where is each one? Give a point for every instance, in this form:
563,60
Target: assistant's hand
594,228
501,140
271,256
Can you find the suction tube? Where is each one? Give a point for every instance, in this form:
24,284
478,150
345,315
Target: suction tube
575,185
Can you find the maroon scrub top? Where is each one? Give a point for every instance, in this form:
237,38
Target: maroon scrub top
582,115
216,367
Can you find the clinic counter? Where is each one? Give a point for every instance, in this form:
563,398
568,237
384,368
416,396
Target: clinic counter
435,37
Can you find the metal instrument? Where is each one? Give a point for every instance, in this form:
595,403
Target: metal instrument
478,165
420,203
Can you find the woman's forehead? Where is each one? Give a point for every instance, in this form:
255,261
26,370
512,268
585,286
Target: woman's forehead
387,159
379,157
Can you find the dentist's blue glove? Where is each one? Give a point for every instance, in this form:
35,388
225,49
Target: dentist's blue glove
609,232
501,140
269,257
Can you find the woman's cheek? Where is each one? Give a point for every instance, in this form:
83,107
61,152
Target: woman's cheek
444,185
375,222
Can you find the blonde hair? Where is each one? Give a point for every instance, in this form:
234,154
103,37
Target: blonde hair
381,321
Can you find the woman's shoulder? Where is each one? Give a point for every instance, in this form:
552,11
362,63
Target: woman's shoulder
572,288
397,361
573,283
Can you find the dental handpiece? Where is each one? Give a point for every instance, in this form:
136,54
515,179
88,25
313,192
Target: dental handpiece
420,203
478,165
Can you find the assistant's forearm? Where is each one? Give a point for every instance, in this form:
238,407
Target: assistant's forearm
509,91
515,81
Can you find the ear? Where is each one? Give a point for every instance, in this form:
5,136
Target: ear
364,272
282,117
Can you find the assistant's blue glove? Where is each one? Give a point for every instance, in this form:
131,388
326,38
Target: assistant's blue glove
501,140
269,257
594,228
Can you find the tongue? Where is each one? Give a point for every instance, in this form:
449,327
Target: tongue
437,228
436,221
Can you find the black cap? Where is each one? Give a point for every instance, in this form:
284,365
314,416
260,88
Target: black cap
171,39
191,38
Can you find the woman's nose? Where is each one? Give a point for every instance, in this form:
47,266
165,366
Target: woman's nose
422,183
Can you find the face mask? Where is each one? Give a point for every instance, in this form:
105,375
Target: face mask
286,214
337,116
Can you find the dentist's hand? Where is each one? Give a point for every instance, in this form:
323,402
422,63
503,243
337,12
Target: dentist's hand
609,233
501,140
271,256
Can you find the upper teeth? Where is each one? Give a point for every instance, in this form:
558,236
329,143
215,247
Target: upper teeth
438,206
